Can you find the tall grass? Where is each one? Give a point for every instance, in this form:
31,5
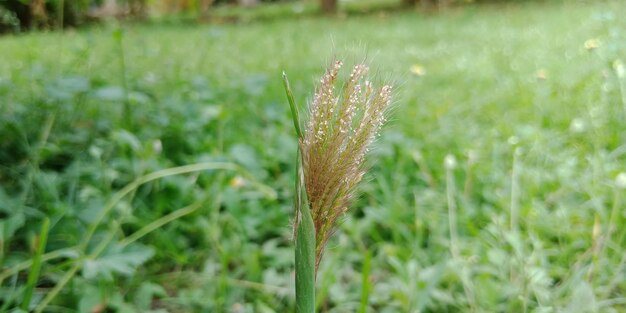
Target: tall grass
331,152
495,78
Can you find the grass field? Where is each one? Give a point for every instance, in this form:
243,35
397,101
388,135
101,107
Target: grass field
525,102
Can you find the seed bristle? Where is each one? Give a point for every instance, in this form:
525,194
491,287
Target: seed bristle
333,151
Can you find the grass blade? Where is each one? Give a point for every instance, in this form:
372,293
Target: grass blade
28,263
117,197
365,282
292,105
160,222
33,276
305,251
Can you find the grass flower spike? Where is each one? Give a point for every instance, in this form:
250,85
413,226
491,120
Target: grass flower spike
341,127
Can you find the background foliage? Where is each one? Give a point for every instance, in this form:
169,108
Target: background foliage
16,15
526,100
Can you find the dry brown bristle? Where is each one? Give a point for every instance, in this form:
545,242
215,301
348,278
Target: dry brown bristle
336,140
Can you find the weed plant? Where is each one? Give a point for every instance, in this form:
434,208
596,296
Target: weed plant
524,101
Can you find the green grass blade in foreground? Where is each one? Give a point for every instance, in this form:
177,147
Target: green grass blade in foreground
304,228
33,276
292,104
305,255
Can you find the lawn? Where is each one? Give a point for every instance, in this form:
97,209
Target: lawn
498,185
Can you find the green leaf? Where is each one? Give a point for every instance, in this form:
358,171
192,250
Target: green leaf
90,299
583,299
146,293
110,93
117,261
305,251
126,139
9,226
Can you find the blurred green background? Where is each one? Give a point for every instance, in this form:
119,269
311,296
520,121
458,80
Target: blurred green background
526,100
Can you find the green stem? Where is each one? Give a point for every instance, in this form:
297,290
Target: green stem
160,222
28,263
365,281
33,276
118,35
60,284
304,228
305,263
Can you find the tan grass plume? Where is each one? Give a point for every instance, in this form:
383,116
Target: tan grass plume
341,127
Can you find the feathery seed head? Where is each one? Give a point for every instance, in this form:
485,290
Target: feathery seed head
333,149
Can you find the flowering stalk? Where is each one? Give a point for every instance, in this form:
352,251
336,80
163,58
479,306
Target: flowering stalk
304,231
331,151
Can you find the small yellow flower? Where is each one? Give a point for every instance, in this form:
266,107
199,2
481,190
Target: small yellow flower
418,70
596,231
542,74
237,182
619,68
592,44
